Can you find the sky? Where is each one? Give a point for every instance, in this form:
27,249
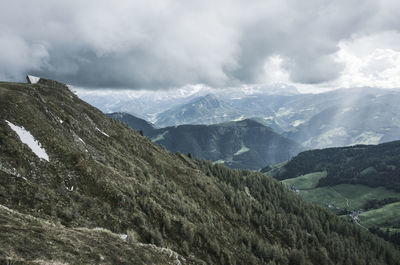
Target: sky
315,45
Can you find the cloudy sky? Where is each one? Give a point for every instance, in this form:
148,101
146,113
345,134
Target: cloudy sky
158,44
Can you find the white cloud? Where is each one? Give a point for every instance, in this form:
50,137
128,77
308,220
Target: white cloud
17,55
371,61
274,71
172,43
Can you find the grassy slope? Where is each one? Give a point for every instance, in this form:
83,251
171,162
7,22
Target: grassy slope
43,242
352,197
371,165
382,217
308,181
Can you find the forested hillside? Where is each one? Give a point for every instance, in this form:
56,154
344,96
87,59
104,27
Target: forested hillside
371,165
362,182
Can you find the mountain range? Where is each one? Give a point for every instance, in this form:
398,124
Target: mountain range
77,187
244,144
337,118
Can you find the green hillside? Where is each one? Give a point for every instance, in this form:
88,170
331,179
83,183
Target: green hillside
371,165
25,238
108,195
383,217
351,197
347,196
350,179
305,182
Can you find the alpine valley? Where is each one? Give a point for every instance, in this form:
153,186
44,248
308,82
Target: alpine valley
341,117
361,182
78,187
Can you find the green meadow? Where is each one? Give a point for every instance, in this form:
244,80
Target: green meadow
350,197
383,217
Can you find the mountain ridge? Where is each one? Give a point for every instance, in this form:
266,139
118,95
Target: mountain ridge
101,173
341,117
245,144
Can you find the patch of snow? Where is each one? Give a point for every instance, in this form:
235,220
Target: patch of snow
33,79
72,89
123,236
28,139
102,132
159,137
368,138
346,110
297,123
327,139
242,150
247,191
284,112
60,121
80,139
70,189
153,118
240,118
269,118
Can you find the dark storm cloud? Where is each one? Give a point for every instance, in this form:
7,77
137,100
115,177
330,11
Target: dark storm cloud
165,43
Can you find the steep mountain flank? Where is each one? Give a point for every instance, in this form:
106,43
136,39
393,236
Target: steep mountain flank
26,239
244,144
101,174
